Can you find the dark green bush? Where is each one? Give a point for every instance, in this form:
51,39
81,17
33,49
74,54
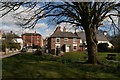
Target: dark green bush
103,47
38,52
10,46
52,51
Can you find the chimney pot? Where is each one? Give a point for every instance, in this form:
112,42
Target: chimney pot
64,29
35,32
58,29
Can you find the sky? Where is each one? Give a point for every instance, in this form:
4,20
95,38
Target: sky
7,24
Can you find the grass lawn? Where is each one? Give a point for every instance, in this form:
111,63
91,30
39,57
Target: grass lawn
27,65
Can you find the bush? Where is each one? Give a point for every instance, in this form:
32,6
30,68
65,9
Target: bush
11,45
38,52
103,47
52,51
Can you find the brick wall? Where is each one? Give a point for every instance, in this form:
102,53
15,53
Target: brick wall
52,42
28,40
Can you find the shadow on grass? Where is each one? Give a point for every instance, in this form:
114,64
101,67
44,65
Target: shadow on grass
27,65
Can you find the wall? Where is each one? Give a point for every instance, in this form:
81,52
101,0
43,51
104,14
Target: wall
52,43
29,40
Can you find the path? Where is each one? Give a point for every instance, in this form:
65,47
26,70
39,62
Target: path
8,55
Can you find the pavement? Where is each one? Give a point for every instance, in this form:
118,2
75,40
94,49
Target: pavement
9,55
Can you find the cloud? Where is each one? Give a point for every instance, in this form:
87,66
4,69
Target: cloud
41,25
10,28
69,27
49,31
109,21
11,17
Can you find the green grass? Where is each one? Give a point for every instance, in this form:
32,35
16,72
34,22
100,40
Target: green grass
103,55
27,65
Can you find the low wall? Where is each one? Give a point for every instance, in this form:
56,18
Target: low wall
2,53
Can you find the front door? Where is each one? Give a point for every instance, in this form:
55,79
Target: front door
67,48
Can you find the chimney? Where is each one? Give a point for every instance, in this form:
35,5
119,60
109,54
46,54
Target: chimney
1,33
11,32
58,29
64,29
35,32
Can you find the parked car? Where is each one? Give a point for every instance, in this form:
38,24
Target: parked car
24,50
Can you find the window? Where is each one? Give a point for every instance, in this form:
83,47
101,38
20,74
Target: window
74,40
37,38
81,41
74,47
65,39
57,40
31,38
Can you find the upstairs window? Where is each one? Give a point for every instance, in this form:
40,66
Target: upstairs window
57,40
37,38
74,47
65,39
74,40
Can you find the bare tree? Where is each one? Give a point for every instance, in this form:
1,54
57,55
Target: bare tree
88,15
115,40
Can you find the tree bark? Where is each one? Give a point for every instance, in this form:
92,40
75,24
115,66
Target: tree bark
91,44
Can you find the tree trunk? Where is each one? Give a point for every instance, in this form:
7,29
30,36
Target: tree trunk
91,44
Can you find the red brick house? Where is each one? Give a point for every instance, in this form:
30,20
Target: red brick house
32,39
65,41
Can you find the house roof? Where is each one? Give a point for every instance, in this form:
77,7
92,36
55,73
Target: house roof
12,35
64,35
31,34
100,37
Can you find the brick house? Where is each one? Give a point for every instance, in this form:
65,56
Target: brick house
65,41
32,39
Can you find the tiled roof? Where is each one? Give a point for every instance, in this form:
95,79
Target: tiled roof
31,34
12,35
100,37
64,35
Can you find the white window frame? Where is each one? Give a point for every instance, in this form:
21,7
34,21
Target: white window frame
57,45
65,39
74,40
37,38
56,40
76,47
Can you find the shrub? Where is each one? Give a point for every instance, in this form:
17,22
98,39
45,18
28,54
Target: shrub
103,47
11,45
38,52
52,51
